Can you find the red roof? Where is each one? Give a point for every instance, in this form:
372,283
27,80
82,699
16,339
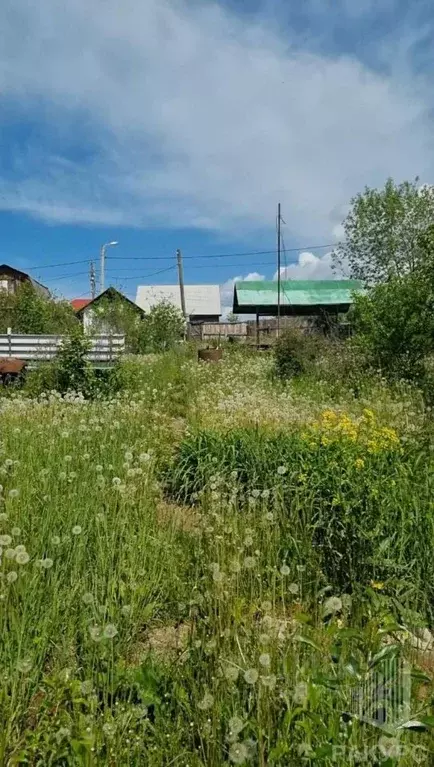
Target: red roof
80,303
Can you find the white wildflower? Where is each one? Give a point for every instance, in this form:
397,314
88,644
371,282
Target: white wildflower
10,554
87,598
110,631
76,530
12,576
236,724
22,558
14,493
332,605
293,588
238,753
281,470
207,702
265,659
16,531
284,570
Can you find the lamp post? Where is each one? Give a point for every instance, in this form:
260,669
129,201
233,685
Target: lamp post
102,273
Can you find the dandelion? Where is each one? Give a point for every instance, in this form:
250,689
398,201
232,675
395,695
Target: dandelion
108,729
281,470
238,753
98,468
248,541
12,576
22,558
10,554
266,606
76,530
293,588
264,639
19,548
68,458
256,493
116,481
16,531
144,457
269,516
207,702
46,563
332,605
284,570
3,517
126,610
128,456
95,633
55,540
236,724
231,673
269,681
110,631
251,676
25,665
87,598
249,563
14,493
265,494
265,660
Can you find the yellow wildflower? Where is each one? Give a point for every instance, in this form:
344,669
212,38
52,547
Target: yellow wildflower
359,463
377,585
368,415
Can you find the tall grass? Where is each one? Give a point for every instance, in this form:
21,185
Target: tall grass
173,595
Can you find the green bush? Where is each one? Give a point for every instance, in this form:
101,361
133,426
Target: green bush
295,353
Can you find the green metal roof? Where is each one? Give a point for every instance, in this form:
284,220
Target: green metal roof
295,293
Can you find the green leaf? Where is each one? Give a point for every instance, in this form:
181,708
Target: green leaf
308,641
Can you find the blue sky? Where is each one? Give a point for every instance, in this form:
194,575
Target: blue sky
167,123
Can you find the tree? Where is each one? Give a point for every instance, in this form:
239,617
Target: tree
394,324
383,231
26,311
164,327
232,318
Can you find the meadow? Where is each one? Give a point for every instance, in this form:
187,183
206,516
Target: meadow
205,568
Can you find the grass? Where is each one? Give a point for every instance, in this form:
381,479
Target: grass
201,571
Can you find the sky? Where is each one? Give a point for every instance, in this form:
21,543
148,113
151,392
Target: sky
166,124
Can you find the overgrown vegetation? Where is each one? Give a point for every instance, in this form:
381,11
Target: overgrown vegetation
26,311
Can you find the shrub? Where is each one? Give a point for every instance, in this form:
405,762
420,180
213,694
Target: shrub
294,353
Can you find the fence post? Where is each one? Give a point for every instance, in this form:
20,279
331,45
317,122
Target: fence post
10,341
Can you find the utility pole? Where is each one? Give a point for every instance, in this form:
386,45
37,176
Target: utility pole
278,269
102,272
92,278
181,282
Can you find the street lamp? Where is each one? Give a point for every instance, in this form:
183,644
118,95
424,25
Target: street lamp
102,274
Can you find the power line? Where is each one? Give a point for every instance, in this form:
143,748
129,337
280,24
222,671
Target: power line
204,256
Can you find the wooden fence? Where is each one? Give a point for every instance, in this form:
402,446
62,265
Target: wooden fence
105,349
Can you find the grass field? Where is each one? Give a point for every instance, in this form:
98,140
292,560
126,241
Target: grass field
203,569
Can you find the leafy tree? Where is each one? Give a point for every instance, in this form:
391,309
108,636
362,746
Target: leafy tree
164,327
383,231
233,318
394,324
26,311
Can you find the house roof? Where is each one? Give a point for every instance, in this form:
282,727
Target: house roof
110,293
296,296
200,300
80,303
7,269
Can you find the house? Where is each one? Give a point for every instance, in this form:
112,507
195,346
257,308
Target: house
11,279
91,310
202,302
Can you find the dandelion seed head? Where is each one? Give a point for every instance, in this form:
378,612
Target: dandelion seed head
98,468
110,631
251,676
20,548
281,470
12,576
116,481
95,633
87,598
3,517
284,570
207,702
47,563
249,563
14,493
25,665
76,530
10,554
55,540
230,673
265,660
269,681
238,753
293,588
16,531
22,558
332,605
235,724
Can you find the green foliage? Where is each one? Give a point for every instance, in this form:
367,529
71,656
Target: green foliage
295,353
26,311
383,230
164,327
395,325
69,371
112,314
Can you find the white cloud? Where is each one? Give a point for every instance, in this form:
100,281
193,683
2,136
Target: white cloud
184,114
310,267
227,290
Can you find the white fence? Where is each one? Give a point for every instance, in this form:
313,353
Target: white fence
104,348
